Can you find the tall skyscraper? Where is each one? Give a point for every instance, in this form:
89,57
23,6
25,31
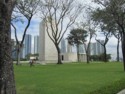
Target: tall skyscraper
14,50
81,49
93,48
36,44
69,48
63,46
96,48
47,49
100,48
27,45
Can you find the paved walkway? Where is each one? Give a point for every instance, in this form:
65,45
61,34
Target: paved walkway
122,92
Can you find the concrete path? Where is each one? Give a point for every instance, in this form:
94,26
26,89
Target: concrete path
122,92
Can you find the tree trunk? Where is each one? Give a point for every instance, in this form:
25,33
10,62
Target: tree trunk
77,47
18,55
7,82
105,53
59,54
118,49
123,50
87,56
88,52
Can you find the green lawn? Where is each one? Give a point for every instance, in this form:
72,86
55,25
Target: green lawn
67,78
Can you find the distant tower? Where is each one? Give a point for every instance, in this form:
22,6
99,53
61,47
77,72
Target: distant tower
47,49
81,49
27,45
100,48
36,44
96,48
93,49
63,46
69,48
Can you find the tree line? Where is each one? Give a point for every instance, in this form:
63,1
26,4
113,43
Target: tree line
109,17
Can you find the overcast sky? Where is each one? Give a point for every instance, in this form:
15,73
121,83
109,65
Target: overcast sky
34,30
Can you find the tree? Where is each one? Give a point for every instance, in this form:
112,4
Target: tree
7,82
107,34
118,37
91,33
100,57
28,56
116,11
26,8
55,13
87,48
91,29
77,37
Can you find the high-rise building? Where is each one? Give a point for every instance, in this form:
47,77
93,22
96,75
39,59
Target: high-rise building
96,48
47,49
100,48
63,46
81,49
73,49
69,48
93,48
36,44
27,45
14,49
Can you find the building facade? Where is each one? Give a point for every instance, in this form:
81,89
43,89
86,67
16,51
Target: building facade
36,44
63,46
96,48
100,47
27,45
81,49
47,49
14,50
93,48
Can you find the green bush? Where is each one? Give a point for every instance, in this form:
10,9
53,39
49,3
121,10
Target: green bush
100,57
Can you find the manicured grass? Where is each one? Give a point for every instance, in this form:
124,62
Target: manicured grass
76,78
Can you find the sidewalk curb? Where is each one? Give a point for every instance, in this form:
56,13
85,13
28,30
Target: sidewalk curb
122,92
